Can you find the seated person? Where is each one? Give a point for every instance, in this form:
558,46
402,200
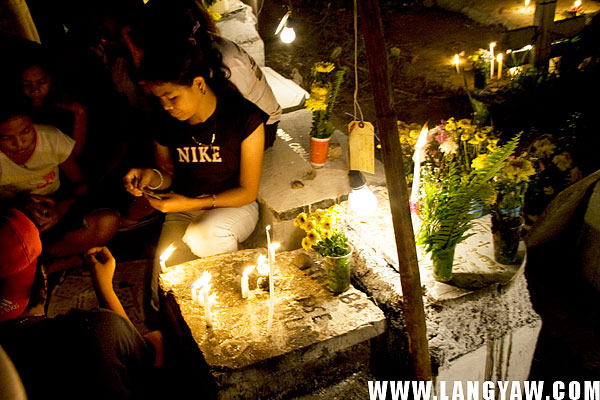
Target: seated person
95,354
209,155
32,159
47,103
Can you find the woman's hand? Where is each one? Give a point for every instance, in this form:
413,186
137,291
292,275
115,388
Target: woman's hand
173,202
138,179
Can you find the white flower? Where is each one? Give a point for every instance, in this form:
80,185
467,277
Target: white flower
449,147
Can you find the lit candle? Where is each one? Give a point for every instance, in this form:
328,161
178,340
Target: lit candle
456,62
198,285
164,256
417,157
499,59
526,3
271,257
493,59
244,283
207,313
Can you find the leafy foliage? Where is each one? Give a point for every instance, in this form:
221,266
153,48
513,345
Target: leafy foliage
447,201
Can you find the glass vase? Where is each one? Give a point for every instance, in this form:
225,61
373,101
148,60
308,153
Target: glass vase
442,264
338,272
506,232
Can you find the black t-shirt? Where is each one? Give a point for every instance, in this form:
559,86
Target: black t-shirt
204,165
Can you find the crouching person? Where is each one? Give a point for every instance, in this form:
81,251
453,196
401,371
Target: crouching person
33,158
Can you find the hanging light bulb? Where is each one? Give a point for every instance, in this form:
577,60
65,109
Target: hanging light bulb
288,35
286,28
361,200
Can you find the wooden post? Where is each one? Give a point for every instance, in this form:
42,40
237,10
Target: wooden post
543,21
372,30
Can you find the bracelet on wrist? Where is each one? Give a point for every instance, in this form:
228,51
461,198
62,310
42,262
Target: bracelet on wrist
214,200
162,179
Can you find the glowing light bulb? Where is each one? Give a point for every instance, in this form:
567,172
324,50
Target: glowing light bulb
288,35
362,201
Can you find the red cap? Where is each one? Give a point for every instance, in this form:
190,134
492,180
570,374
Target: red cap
20,247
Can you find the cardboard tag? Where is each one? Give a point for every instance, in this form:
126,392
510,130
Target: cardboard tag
361,145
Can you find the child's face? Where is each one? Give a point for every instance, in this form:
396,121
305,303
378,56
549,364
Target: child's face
36,84
17,138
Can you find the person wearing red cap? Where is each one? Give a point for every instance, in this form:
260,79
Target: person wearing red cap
20,247
95,354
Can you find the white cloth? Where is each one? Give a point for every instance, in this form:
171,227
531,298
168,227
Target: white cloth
247,76
39,174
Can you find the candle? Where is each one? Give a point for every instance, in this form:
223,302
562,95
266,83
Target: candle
417,157
499,59
271,256
164,256
492,60
526,3
207,313
244,283
456,62
198,285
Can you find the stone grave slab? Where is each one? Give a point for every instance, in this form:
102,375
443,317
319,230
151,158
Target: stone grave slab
311,326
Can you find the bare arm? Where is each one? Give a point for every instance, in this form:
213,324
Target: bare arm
103,264
139,179
79,124
245,193
73,172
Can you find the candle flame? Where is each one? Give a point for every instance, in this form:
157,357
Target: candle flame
577,3
422,137
526,3
499,57
202,282
167,253
275,245
248,270
456,59
261,265
492,45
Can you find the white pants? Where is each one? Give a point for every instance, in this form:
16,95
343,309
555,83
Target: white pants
202,233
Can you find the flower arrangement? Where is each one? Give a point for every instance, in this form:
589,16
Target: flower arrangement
324,231
323,94
449,191
459,144
481,60
555,170
511,185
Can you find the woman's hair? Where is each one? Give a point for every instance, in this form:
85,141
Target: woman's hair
182,61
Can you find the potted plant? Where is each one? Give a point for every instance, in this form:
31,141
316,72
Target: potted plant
325,236
323,94
480,61
446,204
510,186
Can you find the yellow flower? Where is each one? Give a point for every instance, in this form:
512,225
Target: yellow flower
450,125
480,137
474,141
310,225
549,190
486,130
492,145
465,136
479,162
562,161
319,90
543,147
519,169
464,123
325,234
324,66
314,104
313,237
492,199
305,244
326,223
300,220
